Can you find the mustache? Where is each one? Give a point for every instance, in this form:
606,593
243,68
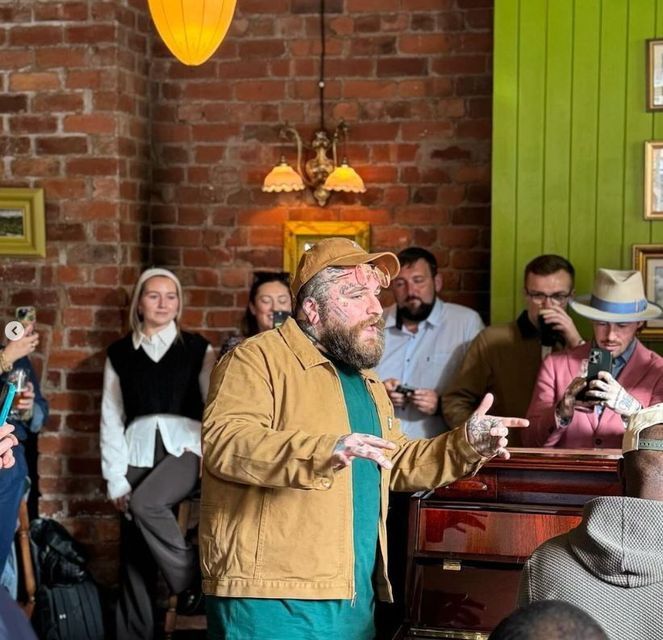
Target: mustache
378,322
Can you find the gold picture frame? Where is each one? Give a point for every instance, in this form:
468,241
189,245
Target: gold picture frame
654,75
22,222
299,236
654,180
648,259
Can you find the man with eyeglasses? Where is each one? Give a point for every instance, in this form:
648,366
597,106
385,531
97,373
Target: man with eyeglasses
505,359
568,410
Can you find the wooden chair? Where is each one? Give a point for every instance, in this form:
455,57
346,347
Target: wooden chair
25,559
187,518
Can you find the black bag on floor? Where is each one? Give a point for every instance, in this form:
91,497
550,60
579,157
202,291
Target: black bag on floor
59,559
67,603
68,612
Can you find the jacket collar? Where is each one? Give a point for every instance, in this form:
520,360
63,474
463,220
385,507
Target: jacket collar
306,352
529,332
617,543
526,328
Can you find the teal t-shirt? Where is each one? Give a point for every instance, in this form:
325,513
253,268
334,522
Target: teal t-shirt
272,619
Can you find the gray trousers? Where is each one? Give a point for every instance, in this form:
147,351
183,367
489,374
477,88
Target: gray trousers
152,540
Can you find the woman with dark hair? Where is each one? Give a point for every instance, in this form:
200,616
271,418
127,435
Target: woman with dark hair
155,384
269,292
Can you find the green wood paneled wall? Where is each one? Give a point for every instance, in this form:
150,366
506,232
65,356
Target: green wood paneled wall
569,125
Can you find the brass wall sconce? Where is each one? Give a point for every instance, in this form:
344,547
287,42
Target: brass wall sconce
322,173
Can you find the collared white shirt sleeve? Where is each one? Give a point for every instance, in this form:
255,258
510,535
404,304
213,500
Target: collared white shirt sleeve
135,445
114,450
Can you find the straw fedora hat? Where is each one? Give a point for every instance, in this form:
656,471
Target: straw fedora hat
617,296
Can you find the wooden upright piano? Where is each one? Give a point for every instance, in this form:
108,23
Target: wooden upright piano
468,541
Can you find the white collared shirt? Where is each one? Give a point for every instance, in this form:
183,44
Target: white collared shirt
427,359
135,446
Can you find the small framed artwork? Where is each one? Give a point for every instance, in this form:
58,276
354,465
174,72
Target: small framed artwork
648,259
654,180
22,223
300,236
654,75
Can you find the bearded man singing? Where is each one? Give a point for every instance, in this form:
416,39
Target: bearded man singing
300,449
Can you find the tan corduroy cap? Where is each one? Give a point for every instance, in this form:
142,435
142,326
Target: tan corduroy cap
340,252
636,423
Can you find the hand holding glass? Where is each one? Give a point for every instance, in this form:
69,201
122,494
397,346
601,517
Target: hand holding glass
19,377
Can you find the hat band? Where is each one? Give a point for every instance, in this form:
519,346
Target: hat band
650,445
618,307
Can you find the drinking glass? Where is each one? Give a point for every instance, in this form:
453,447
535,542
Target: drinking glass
19,376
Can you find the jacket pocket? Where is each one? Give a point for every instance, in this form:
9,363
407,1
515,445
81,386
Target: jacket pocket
305,534
213,541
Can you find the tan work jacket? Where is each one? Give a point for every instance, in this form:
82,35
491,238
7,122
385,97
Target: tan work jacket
276,521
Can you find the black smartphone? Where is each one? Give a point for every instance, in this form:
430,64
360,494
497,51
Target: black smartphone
598,360
6,398
279,317
405,389
549,336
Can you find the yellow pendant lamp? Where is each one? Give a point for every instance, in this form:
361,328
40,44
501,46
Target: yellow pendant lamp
192,29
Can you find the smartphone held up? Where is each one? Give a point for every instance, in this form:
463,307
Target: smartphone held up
279,317
597,361
549,335
6,398
27,316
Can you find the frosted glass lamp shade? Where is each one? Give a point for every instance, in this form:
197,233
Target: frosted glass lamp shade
283,178
192,29
344,178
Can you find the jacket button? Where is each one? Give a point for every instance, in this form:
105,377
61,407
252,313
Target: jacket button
598,441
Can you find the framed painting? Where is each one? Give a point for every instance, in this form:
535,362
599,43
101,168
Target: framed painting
653,180
648,259
22,223
300,236
654,75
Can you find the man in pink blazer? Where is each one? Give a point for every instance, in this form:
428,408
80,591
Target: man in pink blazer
567,412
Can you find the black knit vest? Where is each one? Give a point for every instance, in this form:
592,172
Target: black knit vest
168,386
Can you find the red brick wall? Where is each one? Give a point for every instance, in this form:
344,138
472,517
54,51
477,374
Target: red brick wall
145,161
75,122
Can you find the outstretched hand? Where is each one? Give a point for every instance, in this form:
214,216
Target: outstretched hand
488,434
361,445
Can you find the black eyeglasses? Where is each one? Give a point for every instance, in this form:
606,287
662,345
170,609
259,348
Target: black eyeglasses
540,298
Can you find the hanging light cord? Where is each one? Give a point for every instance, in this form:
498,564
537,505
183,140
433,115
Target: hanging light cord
321,81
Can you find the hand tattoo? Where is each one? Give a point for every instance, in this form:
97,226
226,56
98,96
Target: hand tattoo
626,404
478,434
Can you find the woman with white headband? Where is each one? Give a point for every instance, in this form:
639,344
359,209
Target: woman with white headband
155,384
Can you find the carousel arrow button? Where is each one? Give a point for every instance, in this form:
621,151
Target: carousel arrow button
14,330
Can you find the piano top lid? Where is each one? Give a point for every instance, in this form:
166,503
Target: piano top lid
558,458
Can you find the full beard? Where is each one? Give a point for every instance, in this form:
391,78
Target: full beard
345,344
415,315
